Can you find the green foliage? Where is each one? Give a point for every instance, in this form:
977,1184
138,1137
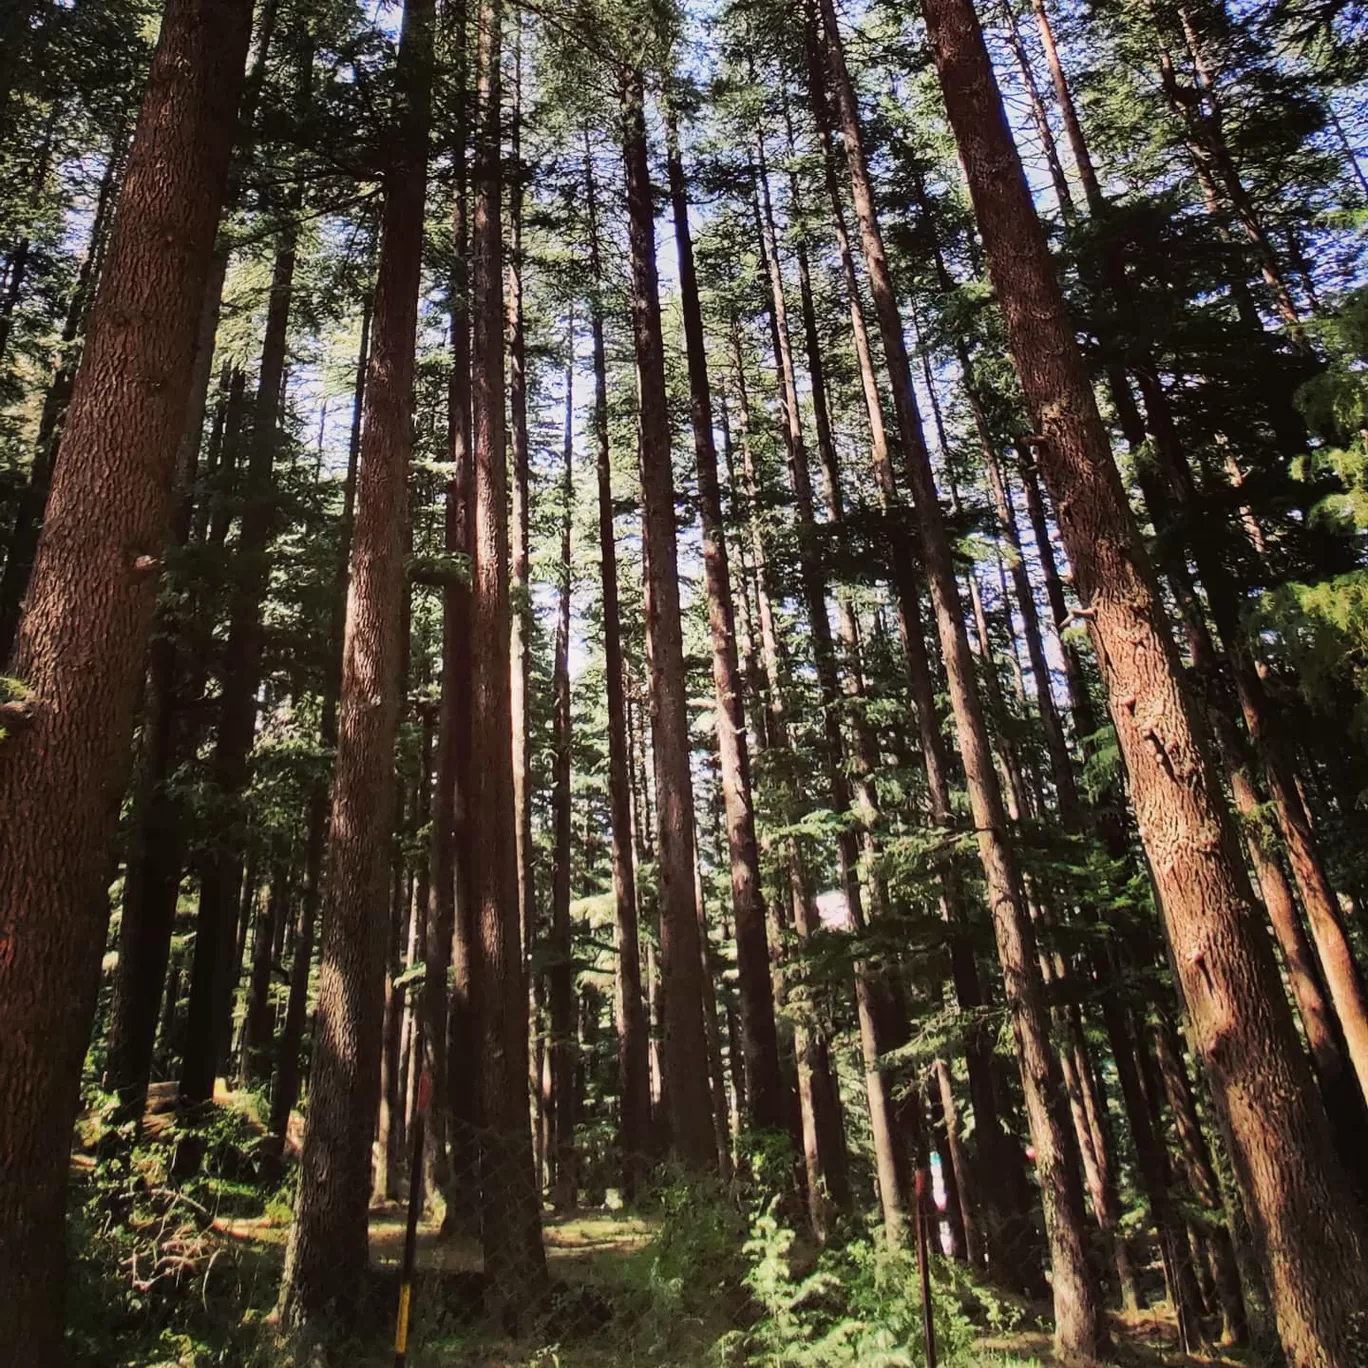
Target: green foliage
153,1278
857,1305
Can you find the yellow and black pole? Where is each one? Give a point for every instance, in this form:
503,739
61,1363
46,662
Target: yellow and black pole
415,1208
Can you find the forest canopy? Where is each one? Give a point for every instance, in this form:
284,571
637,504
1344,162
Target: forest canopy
683,683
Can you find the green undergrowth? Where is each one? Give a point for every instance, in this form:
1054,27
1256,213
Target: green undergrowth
171,1269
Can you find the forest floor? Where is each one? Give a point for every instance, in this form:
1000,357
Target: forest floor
588,1250
184,1274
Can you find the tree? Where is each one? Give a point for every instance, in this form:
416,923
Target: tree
760,1040
685,1056
1241,1024
329,1248
509,1197
62,770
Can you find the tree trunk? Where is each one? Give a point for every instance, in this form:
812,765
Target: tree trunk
562,969
520,588
212,981
1080,1329
285,1090
1242,1026
1002,1251
28,521
686,1061
823,1137
634,1080
509,1196
258,1024
759,1036
449,1035
327,1254
870,988
107,516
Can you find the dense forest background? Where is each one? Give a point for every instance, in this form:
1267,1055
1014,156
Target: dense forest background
716,651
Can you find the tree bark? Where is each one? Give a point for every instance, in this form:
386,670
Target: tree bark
509,1195
327,1254
1080,1329
28,521
634,1079
760,1041
685,1057
61,775
520,588
1242,1027
562,971
212,981
285,1089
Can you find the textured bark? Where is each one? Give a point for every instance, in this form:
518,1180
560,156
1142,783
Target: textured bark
634,1080
60,777
212,981
1241,1024
1342,976
1080,1330
449,1033
285,1088
258,1023
685,1050
327,1253
821,1130
28,516
871,989
520,588
510,1201
561,976
759,1035
1002,1245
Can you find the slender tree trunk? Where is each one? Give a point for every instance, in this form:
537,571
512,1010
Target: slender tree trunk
634,1079
685,1048
870,986
23,537
449,1029
712,1030
509,1196
1002,1249
823,1137
759,1035
1241,1024
520,525
1080,1330
327,1254
285,1089
212,981
105,529
258,1024
965,1233
159,835
562,972
1201,1177
389,1120
1039,116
